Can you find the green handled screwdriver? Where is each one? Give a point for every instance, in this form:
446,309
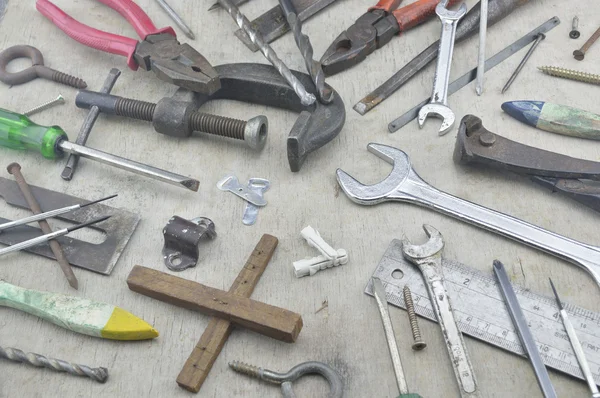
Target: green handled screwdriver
19,132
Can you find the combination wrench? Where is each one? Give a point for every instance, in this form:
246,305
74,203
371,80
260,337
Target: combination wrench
404,184
438,106
428,257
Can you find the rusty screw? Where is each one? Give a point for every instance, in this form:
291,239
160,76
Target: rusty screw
414,323
580,54
15,170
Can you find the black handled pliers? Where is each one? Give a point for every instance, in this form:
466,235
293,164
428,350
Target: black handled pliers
373,30
579,179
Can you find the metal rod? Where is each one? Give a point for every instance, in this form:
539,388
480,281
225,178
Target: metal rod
97,374
49,214
306,49
240,19
518,318
379,291
482,40
523,62
177,19
470,76
88,124
15,170
45,238
130,165
577,349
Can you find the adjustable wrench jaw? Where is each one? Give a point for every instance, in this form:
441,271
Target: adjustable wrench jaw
387,189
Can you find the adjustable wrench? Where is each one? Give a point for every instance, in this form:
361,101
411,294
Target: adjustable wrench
404,184
428,257
438,106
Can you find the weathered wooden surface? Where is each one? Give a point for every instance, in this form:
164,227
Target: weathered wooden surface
347,334
266,319
206,352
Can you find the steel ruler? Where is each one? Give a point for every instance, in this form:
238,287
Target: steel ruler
481,313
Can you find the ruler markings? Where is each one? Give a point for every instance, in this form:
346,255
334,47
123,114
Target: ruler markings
481,313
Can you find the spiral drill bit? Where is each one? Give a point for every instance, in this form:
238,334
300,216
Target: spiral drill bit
98,374
303,42
240,19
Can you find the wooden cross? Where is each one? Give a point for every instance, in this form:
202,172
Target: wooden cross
227,309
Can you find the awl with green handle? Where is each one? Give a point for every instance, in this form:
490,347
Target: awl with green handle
382,304
77,314
19,132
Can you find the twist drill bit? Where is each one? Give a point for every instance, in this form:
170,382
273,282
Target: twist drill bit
98,374
240,19
303,42
571,74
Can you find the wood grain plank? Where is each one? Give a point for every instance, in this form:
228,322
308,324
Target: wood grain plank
208,348
265,319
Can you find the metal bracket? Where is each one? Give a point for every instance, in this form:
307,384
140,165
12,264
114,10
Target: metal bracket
182,238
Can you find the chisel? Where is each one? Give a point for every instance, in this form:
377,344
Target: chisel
77,314
559,119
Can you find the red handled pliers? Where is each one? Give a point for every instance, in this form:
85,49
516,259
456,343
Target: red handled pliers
373,30
159,50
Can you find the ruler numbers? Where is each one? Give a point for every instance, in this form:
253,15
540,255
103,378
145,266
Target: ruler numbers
481,313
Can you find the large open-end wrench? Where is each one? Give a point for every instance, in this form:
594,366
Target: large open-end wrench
404,184
438,106
428,257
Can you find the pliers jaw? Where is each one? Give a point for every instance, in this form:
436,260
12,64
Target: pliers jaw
371,31
177,63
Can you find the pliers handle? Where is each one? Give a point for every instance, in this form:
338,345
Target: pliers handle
386,5
104,41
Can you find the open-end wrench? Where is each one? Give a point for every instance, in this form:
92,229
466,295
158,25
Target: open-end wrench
404,184
428,257
438,106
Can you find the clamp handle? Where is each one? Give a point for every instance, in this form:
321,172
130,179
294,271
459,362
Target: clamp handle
137,18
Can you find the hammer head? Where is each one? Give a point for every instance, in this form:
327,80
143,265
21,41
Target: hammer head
385,190
433,246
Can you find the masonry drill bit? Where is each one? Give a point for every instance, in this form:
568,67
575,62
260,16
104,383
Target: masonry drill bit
571,74
240,19
97,374
306,49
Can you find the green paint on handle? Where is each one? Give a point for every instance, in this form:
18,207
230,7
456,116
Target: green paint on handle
569,121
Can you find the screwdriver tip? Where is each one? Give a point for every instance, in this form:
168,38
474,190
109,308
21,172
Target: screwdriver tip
191,184
99,200
87,224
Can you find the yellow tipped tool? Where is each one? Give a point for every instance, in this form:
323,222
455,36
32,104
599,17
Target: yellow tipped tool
79,315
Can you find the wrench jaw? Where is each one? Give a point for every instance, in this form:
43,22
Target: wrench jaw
387,189
439,111
449,15
433,247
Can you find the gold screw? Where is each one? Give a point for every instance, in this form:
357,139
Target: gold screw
419,344
571,74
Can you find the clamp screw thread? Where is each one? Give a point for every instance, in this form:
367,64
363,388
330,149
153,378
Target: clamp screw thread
218,125
571,74
199,121
135,109
419,344
68,80
246,369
